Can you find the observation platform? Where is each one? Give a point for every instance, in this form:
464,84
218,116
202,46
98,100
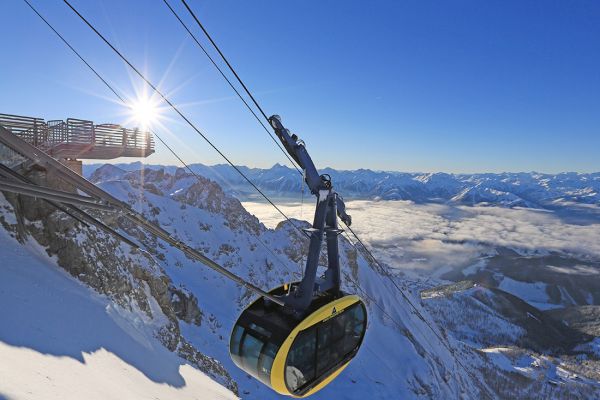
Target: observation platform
75,139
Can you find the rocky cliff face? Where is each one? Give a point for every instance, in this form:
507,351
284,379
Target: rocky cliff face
131,278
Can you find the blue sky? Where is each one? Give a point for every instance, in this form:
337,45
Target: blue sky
454,86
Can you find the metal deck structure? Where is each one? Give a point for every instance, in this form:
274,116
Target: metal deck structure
79,139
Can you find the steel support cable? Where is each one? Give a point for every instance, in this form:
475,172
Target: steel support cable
33,153
224,58
400,326
231,69
39,192
387,274
265,116
166,100
109,86
231,85
456,358
69,45
50,194
180,246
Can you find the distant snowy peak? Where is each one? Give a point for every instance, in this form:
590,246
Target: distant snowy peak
523,189
107,172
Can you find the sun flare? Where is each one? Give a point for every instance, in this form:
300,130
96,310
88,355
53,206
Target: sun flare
145,111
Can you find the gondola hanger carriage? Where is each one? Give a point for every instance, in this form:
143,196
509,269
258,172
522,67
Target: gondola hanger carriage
300,347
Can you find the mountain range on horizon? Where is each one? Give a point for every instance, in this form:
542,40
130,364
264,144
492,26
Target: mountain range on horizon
523,189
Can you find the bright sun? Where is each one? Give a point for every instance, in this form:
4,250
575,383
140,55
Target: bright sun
145,112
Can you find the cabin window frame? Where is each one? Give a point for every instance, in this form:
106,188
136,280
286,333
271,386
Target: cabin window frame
260,367
324,372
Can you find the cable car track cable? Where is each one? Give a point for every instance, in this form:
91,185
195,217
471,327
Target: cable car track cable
387,274
383,270
166,100
231,84
216,149
125,103
224,58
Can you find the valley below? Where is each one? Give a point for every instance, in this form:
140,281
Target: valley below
520,285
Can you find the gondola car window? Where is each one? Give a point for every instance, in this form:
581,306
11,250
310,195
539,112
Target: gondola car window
355,328
266,362
324,346
251,351
300,367
338,337
234,347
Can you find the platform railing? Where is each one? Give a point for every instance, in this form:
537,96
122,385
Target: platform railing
46,135
32,130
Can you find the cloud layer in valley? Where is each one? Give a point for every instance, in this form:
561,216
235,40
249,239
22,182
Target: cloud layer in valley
436,237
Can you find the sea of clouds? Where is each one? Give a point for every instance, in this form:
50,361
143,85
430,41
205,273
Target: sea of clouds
435,238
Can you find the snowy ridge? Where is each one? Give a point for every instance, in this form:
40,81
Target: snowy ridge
504,189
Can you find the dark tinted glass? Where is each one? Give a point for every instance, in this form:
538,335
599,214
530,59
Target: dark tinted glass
339,336
265,362
251,349
300,367
323,346
252,352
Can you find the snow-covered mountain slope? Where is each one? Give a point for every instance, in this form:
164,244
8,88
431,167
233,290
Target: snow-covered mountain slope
401,357
59,339
504,189
190,309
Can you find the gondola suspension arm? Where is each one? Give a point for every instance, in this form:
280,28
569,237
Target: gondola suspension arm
329,206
